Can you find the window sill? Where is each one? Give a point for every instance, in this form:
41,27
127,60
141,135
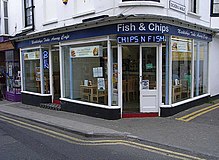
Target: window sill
50,22
27,28
152,4
194,15
4,34
83,13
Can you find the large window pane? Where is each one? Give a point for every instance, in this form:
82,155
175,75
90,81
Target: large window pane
181,68
85,72
201,68
165,73
31,71
115,77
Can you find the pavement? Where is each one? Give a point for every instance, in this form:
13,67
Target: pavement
197,137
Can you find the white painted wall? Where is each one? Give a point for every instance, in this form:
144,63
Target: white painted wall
215,22
77,10
213,66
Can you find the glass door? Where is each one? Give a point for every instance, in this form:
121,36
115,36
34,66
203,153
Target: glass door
56,75
149,78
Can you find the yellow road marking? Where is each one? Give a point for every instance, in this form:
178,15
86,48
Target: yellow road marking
198,113
74,140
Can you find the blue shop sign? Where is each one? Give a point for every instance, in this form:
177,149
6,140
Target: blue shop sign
45,59
137,28
141,39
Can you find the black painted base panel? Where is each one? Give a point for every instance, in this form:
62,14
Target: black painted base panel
110,114
35,100
165,112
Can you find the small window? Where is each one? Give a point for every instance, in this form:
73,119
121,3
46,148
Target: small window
193,6
6,26
28,10
140,0
215,8
5,5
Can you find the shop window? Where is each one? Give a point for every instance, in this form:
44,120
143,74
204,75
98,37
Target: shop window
181,68
215,8
28,12
31,71
85,72
13,72
201,68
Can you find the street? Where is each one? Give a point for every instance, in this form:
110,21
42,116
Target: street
21,139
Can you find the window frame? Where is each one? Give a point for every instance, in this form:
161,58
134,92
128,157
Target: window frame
31,9
212,14
195,8
5,28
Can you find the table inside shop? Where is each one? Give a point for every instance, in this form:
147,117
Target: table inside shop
87,92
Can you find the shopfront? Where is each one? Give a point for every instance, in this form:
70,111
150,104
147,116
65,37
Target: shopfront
132,68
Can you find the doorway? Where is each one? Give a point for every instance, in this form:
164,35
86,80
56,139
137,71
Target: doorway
130,78
140,78
56,75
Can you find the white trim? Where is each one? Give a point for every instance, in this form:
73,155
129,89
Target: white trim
141,3
190,100
90,104
192,69
170,69
21,69
196,15
120,77
84,41
37,94
159,83
51,73
83,13
109,64
41,72
50,22
27,28
165,106
61,67
25,49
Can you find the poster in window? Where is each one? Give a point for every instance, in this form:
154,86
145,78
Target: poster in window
98,72
37,73
101,84
88,51
32,55
145,84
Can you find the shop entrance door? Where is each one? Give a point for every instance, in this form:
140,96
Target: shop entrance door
56,76
149,78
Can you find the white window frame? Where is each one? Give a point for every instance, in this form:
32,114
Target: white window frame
193,10
3,18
